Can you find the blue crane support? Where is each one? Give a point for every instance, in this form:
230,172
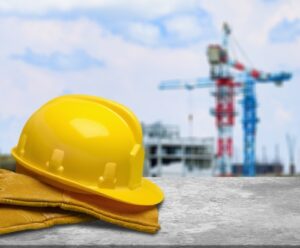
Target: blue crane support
249,122
250,77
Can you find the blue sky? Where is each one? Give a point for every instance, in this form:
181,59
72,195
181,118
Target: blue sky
122,49
58,61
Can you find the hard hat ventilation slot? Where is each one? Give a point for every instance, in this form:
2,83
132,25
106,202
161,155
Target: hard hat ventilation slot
108,179
22,144
55,163
136,162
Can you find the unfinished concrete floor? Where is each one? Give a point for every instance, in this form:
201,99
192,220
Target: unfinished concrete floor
197,211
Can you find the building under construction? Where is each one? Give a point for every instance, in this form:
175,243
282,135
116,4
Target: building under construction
262,169
167,153
7,162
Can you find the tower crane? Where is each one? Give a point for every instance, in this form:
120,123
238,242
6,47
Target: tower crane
225,82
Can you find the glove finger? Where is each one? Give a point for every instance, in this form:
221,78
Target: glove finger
20,218
3,172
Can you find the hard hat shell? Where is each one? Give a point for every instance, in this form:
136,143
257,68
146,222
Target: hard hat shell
89,144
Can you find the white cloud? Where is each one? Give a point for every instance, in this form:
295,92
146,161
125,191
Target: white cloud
184,27
283,116
39,7
144,8
147,34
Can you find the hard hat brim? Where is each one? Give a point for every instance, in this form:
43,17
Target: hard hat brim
148,194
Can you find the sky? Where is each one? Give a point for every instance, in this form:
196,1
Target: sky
122,50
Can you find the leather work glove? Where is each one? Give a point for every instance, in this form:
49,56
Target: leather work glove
23,190
20,218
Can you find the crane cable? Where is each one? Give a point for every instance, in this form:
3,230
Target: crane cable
242,51
232,49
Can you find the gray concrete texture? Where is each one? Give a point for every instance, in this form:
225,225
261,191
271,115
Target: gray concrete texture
197,211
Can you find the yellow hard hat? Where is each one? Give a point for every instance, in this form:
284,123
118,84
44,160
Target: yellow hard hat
89,144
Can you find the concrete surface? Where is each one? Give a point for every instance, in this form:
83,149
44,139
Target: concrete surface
198,211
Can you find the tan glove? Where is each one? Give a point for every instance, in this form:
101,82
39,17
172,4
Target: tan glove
20,218
23,190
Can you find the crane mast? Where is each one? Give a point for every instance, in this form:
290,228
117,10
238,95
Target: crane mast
224,110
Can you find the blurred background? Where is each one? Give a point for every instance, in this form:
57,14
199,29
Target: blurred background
125,50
